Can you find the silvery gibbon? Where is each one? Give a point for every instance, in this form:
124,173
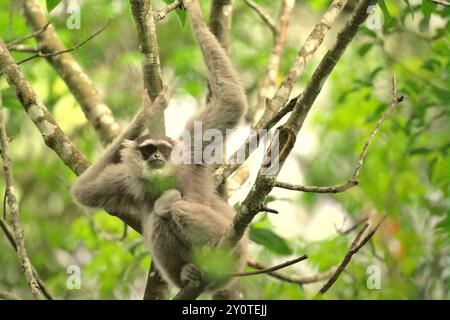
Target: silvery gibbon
180,209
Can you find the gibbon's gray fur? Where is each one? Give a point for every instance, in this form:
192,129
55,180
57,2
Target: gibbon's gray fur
178,203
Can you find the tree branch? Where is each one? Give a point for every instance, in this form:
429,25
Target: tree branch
28,36
354,180
156,287
273,66
93,106
265,16
360,220
161,14
27,268
286,134
356,245
441,2
310,46
292,278
10,236
40,54
271,269
281,96
23,48
148,45
8,296
51,132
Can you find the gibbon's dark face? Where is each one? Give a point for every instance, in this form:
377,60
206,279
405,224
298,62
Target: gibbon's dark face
156,152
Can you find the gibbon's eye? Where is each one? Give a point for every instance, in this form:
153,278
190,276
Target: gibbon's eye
147,150
165,151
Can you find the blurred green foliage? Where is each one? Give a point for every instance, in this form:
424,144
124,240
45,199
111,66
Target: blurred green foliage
405,175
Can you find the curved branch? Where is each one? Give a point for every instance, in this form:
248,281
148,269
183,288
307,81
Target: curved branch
279,42
10,236
356,245
293,278
40,54
14,207
271,269
265,16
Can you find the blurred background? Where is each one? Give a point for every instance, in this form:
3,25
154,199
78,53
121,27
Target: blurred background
406,173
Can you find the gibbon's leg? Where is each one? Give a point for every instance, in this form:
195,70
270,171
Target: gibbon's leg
202,225
199,223
228,96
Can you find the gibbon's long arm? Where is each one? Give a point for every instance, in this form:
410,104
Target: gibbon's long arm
228,96
104,183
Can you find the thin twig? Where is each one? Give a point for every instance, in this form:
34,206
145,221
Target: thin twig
441,2
162,13
14,207
362,219
310,46
10,236
266,209
268,83
354,180
316,189
23,48
28,36
40,54
92,104
293,278
265,16
8,233
274,105
271,269
356,245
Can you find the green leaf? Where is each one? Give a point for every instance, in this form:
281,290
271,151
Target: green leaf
51,4
409,7
420,150
428,8
10,100
424,24
270,240
362,51
388,20
385,9
269,199
327,253
181,14
366,31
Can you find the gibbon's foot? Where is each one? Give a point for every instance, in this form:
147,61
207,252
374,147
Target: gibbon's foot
164,203
190,275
